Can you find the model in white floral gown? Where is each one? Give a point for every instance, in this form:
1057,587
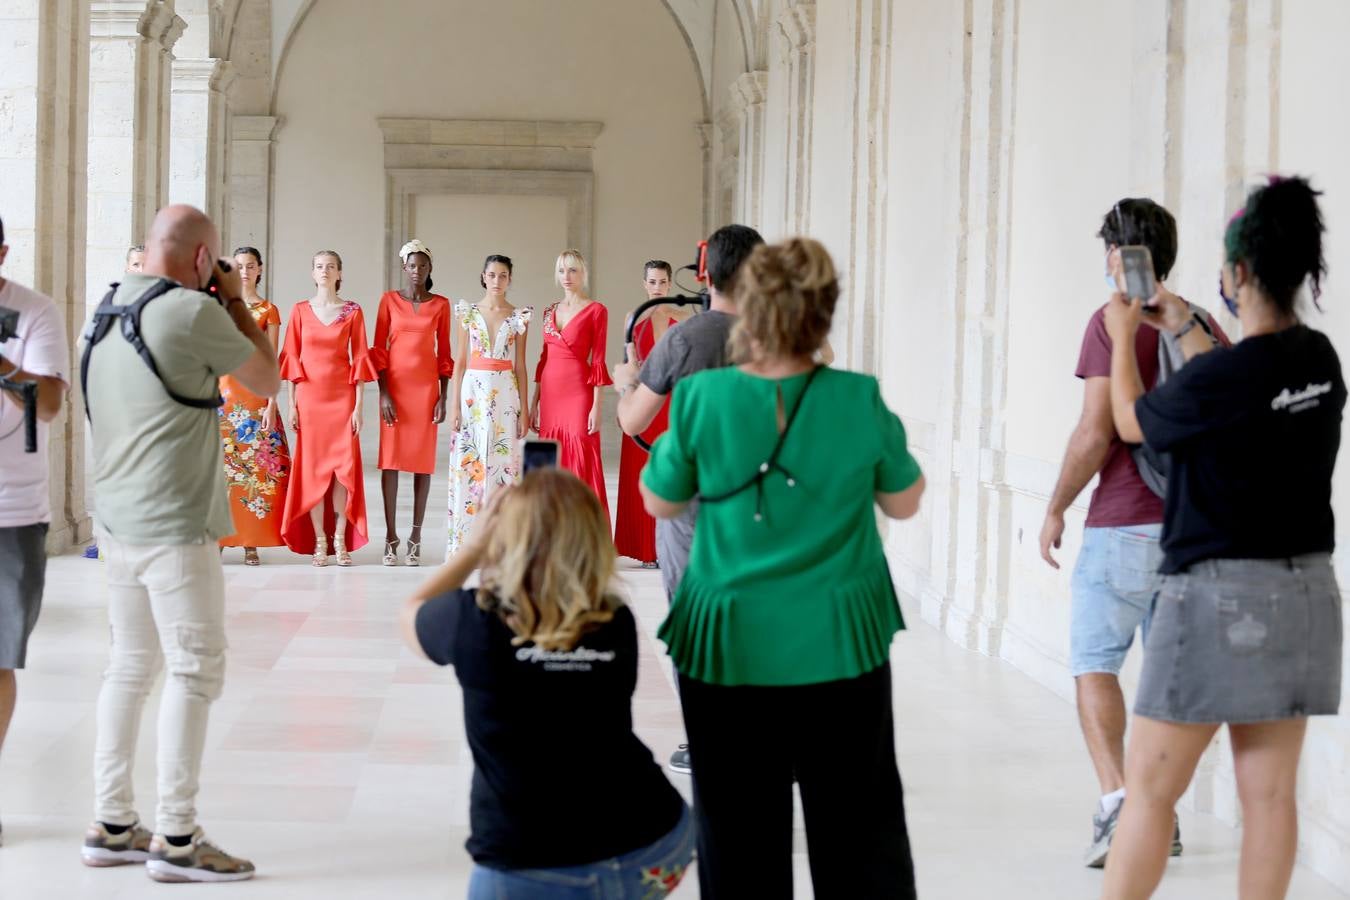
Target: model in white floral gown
490,397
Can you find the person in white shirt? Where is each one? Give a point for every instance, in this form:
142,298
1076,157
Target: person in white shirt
37,352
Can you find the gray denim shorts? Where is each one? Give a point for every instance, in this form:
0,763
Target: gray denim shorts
23,570
1244,640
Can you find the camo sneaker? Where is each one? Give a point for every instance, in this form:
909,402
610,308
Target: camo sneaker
102,848
200,860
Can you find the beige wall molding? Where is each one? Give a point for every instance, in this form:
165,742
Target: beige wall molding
427,157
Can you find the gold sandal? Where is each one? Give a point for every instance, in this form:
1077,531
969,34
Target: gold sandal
344,558
251,557
321,551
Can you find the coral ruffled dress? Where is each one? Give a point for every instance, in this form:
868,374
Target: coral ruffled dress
325,362
412,349
634,529
571,367
257,460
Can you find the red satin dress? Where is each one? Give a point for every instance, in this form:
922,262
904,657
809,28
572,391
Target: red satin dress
634,529
412,349
325,362
571,366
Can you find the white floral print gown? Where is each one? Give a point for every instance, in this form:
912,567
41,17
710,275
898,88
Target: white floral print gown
484,456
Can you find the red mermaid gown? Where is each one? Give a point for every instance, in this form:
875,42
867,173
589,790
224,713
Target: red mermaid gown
325,362
634,529
571,366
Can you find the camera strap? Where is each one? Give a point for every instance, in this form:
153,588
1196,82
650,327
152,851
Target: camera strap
771,464
130,316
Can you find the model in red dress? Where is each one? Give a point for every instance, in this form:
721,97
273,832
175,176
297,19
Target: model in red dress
326,359
634,529
570,374
412,353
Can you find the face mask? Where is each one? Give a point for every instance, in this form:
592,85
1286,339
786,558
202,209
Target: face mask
1229,303
1111,282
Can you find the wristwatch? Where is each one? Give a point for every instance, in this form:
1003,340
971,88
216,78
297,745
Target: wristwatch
1192,322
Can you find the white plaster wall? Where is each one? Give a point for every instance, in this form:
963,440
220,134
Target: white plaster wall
625,65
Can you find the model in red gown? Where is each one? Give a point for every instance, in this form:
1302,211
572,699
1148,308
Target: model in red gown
327,364
634,528
571,368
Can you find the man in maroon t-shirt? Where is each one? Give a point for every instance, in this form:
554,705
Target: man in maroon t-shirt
1116,577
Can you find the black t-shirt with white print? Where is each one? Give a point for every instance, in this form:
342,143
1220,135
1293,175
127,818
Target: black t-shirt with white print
559,777
1253,431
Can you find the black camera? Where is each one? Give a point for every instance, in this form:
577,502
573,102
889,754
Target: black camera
9,323
25,390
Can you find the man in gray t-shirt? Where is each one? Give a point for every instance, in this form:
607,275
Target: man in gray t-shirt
692,346
161,505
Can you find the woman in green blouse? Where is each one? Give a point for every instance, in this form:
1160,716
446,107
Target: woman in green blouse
781,627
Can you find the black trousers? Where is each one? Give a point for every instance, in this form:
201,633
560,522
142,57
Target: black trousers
838,739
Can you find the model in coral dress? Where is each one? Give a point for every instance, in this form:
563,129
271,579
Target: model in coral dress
326,363
413,355
257,460
570,372
634,528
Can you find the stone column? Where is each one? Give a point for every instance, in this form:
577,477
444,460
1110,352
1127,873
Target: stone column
708,146
797,25
751,92
728,165
199,143
252,148
44,107
129,76
970,442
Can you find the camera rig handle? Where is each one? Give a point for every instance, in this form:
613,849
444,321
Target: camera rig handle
27,391
700,301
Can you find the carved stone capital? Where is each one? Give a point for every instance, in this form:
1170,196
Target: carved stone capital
797,24
750,89
256,128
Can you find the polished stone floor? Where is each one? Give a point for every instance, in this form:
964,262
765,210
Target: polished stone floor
337,762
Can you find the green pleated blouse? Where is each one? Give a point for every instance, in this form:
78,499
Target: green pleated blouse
803,595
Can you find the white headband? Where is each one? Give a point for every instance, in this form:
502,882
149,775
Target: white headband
413,246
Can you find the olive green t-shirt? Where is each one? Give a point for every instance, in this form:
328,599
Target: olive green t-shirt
159,472
802,594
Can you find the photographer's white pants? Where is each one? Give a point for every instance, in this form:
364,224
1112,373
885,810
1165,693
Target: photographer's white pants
165,604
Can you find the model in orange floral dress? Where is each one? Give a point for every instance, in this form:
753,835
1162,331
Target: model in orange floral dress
634,528
570,374
257,460
326,359
412,353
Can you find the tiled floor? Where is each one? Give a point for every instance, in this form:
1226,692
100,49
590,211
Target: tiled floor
337,761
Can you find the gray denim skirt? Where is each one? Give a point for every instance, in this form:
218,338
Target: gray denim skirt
1244,640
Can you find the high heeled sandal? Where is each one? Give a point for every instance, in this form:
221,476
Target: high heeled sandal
415,549
321,551
391,553
251,557
344,558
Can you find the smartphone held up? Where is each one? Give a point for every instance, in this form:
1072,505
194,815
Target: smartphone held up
538,454
1136,265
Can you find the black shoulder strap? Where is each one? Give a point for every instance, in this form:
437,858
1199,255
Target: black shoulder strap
130,316
771,464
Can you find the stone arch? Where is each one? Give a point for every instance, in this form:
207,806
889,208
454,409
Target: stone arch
694,18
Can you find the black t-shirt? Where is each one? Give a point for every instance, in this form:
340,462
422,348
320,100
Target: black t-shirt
559,777
1253,432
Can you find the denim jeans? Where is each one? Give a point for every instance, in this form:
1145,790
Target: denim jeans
165,604
649,873
1115,583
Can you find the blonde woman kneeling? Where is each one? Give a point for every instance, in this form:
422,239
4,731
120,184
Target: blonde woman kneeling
565,798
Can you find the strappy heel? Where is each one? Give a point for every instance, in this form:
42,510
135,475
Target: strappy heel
391,552
414,549
321,551
251,557
344,558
